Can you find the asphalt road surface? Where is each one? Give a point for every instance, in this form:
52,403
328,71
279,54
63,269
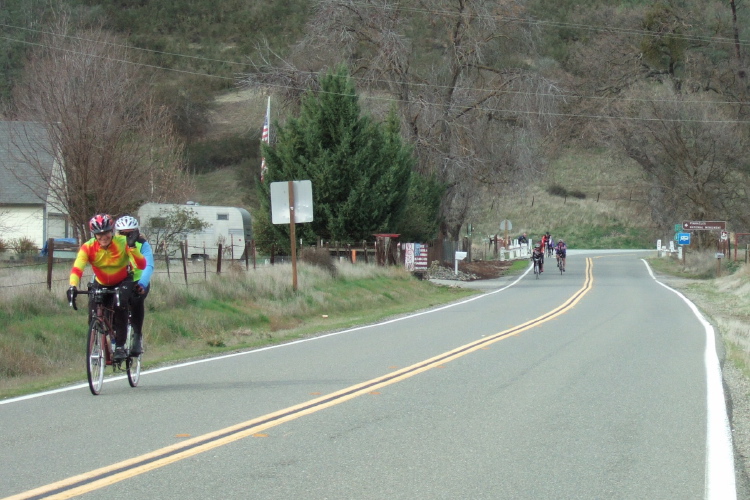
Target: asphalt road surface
598,384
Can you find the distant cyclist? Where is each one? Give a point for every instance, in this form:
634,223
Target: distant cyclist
561,251
537,255
544,240
550,245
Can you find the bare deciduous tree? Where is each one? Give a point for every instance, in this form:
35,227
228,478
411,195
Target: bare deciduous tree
476,114
113,143
692,153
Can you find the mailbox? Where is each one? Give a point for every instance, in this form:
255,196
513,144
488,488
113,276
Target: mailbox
459,256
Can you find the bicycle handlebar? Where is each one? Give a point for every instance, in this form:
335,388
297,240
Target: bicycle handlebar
94,291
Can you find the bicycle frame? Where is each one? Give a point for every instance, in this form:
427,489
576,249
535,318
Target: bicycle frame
105,313
102,336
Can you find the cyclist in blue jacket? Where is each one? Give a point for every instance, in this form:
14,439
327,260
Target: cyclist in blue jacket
128,225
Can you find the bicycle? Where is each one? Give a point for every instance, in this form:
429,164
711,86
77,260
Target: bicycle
537,267
100,344
560,265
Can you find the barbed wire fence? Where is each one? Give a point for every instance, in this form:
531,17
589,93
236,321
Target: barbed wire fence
176,264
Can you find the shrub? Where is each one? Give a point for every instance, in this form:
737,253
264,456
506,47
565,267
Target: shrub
580,195
3,247
557,190
24,247
211,154
319,257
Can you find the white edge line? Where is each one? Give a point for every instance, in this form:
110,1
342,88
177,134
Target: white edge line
253,351
720,475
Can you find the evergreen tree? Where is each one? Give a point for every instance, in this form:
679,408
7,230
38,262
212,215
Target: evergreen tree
360,169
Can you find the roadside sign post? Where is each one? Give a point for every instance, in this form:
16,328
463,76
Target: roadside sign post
291,202
683,239
506,225
708,225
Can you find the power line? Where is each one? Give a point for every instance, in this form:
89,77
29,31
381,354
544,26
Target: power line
389,99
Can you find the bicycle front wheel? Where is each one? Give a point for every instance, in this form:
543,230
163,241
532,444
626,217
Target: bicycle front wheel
95,359
134,370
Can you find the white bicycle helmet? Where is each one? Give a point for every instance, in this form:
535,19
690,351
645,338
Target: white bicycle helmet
126,223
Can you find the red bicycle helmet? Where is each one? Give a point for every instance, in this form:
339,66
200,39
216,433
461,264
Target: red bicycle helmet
101,223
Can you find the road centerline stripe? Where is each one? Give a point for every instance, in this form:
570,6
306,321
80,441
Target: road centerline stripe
104,476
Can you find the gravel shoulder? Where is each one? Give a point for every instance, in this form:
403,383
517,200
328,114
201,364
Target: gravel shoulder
736,388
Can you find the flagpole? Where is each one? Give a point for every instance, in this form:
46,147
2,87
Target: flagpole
265,137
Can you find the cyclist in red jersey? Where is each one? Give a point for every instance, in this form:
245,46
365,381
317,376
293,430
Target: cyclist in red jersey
110,257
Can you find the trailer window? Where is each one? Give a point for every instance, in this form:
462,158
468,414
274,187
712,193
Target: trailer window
222,216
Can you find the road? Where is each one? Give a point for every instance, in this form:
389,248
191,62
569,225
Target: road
601,383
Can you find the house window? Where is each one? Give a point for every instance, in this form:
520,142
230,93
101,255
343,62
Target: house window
222,216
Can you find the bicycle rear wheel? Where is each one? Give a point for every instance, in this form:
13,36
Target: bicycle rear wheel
134,370
95,359
133,363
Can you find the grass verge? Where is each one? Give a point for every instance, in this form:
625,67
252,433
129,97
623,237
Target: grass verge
42,344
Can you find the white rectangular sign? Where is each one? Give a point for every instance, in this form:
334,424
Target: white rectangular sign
303,202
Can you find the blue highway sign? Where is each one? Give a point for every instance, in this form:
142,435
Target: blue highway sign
683,238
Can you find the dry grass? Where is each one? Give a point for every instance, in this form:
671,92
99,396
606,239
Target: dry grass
41,342
725,300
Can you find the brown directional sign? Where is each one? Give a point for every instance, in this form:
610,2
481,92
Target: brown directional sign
698,225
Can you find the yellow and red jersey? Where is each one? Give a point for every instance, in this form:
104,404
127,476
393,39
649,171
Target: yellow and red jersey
110,265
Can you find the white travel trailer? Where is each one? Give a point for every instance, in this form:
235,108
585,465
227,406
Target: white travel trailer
229,226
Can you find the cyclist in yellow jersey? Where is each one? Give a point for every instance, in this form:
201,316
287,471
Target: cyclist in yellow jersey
110,259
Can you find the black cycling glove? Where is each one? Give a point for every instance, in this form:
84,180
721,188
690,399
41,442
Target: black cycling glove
71,294
133,237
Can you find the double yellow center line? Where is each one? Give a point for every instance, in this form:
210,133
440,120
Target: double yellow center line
99,478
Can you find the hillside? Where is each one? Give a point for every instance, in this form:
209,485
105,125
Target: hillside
613,214
537,125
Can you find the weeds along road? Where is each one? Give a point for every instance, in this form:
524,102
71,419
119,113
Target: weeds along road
589,385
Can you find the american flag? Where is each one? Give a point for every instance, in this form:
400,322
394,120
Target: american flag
265,138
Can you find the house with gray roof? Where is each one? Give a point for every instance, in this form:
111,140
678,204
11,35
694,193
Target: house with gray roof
28,207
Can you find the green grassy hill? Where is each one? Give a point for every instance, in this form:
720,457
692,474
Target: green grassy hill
613,214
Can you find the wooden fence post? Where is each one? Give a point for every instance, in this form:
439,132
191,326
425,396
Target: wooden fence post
205,264
218,261
183,251
166,259
50,252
